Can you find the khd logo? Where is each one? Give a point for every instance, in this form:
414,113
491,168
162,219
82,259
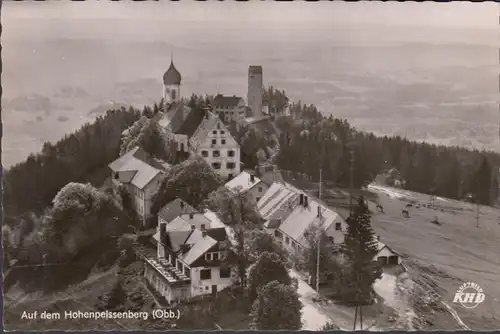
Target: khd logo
469,295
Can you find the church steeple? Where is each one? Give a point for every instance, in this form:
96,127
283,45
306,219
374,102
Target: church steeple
172,76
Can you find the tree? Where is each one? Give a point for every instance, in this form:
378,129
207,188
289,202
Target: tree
146,134
192,180
308,259
360,249
482,182
277,307
260,242
238,211
269,267
117,297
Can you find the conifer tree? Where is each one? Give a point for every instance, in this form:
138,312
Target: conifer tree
360,248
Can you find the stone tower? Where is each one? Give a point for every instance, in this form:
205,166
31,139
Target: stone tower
255,90
171,85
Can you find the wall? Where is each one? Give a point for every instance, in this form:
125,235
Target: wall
235,113
202,287
197,220
338,235
223,159
255,193
167,93
171,292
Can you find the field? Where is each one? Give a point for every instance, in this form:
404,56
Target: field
449,254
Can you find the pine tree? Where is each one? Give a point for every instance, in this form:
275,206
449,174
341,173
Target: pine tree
116,297
277,307
360,248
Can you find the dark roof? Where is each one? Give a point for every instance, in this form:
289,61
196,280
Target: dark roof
191,123
173,210
256,69
218,234
226,101
172,76
175,239
145,157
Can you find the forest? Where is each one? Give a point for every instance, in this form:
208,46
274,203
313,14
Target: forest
308,141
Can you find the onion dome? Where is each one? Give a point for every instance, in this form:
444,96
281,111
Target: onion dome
172,76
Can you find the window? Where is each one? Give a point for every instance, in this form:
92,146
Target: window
205,274
204,154
278,234
229,176
230,153
216,154
179,265
214,141
216,165
218,125
214,132
338,226
225,272
223,141
260,189
287,240
222,132
187,272
331,239
202,227
215,256
208,256
230,165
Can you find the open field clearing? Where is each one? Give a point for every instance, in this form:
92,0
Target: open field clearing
448,254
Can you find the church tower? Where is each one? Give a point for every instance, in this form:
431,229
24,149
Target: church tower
171,85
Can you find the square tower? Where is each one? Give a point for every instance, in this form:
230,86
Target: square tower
255,90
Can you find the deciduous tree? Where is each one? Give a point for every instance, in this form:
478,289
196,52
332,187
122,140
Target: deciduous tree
269,267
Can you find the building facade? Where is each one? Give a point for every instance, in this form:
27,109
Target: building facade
255,90
248,184
229,108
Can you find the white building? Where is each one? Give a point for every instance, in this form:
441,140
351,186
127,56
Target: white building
387,256
248,183
289,212
189,261
229,107
141,176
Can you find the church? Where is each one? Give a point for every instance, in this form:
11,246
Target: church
199,132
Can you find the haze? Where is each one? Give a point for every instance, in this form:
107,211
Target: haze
425,70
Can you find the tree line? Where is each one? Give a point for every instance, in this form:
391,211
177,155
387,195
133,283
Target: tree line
310,141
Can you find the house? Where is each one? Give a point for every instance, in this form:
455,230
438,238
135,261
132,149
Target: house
190,262
229,107
214,143
387,256
289,212
178,209
141,176
248,183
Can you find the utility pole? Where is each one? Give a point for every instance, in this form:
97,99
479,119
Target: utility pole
319,233
351,177
477,214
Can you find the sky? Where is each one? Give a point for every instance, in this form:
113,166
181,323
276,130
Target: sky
456,14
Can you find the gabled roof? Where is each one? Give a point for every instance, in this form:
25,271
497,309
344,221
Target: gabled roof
219,234
209,123
191,123
198,249
226,101
174,117
177,238
274,198
215,222
381,246
242,182
178,224
174,209
135,161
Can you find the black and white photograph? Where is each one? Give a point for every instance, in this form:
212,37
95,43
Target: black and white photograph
258,165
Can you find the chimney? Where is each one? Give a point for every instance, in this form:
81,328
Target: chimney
191,215
163,231
182,205
306,204
252,178
301,202
319,211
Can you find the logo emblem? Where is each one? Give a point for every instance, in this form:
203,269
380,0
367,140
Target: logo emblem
469,295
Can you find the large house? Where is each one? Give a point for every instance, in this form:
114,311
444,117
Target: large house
289,212
190,261
141,176
196,131
229,108
248,183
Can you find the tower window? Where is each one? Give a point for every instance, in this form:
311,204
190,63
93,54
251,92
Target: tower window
173,94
